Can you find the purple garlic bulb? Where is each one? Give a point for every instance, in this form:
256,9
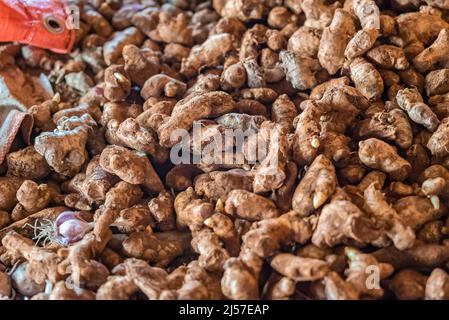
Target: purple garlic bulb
70,227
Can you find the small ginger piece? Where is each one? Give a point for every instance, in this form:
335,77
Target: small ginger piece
8,191
434,54
159,249
131,134
150,280
172,29
224,228
191,211
42,263
438,143
163,85
134,219
250,206
392,125
299,268
192,108
437,285
388,57
123,195
240,278
162,210
28,164
410,101
317,185
207,54
212,255
117,83
408,284
368,14
65,151
140,64
112,49
436,82
267,236
218,184
337,289
342,222
131,166
402,235
387,161
366,78
361,266
331,52
420,255
415,211
32,198
305,41
117,288
270,174
299,70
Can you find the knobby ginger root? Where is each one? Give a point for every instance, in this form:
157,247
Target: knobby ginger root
411,102
159,249
132,167
317,185
408,284
298,268
218,184
368,14
249,206
402,236
206,55
437,286
65,151
334,40
387,161
194,107
342,222
28,164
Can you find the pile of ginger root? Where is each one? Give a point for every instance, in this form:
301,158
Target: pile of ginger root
355,207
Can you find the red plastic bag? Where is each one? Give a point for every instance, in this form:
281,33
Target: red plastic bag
40,23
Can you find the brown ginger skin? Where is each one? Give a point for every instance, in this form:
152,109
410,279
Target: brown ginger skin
316,187
194,107
411,102
140,64
163,85
27,163
118,85
132,167
334,40
437,286
388,161
249,206
65,151
408,284
435,53
402,236
366,78
299,268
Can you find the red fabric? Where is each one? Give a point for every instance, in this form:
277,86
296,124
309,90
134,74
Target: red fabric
23,21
